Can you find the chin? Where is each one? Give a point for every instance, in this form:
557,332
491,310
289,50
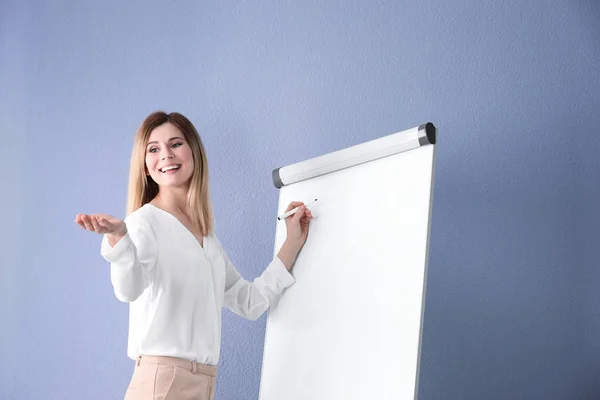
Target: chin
175,183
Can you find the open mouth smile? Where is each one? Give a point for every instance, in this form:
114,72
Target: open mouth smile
168,168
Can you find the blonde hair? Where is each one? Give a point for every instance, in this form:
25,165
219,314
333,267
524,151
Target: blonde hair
142,188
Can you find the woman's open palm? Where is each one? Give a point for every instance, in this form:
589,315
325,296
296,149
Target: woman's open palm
101,223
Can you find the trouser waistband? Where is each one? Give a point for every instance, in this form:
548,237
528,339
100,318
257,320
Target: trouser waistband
193,366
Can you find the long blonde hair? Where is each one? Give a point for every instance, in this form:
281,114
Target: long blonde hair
142,188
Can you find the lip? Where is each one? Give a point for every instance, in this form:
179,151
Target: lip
170,165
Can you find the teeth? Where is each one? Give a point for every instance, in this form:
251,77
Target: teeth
170,167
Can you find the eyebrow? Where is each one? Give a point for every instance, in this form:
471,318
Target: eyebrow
173,138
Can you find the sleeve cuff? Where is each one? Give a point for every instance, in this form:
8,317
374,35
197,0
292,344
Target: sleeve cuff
281,273
112,254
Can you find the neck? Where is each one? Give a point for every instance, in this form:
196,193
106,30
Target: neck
173,199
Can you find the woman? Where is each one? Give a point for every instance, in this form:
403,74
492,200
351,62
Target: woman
168,264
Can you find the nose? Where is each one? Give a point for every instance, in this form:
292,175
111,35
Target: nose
168,154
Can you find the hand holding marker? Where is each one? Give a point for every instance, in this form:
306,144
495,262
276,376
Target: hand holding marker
293,211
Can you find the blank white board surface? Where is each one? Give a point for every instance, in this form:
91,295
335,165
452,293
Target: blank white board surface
350,326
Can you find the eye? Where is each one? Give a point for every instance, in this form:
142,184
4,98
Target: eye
152,150
177,144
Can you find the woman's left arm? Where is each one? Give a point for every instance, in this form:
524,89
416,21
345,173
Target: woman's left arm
251,299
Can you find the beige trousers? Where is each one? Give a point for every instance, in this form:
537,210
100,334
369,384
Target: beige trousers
170,378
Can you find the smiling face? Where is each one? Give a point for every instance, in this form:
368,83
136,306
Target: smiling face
169,159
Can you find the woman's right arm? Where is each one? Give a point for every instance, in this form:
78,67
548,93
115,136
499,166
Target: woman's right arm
131,250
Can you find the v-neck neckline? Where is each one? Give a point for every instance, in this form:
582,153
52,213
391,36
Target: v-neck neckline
182,225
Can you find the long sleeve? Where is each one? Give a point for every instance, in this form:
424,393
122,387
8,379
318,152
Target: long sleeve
251,299
132,260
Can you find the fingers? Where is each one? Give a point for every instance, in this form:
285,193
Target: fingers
106,219
107,226
306,217
293,205
101,221
299,214
87,223
307,214
79,221
96,224
302,215
104,223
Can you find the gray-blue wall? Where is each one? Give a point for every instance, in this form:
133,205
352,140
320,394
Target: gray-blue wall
512,310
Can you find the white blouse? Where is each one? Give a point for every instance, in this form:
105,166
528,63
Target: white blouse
176,287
